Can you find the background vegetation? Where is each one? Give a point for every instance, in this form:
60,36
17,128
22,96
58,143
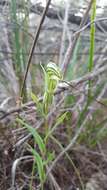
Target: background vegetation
53,95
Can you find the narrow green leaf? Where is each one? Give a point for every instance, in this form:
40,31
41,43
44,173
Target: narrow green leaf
37,102
60,119
92,45
40,165
50,158
36,136
58,122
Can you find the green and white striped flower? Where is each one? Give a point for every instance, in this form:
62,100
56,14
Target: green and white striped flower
52,77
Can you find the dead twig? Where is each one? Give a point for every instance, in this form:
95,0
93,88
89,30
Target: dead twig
34,44
72,44
63,86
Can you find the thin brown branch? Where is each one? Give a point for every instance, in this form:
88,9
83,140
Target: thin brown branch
34,44
64,85
68,147
87,25
70,50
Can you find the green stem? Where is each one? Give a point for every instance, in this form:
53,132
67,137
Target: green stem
92,40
